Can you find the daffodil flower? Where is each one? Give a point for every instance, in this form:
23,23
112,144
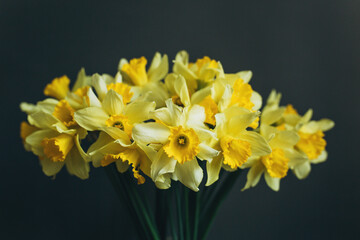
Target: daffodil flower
117,120
236,143
55,139
203,70
147,82
180,137
275,165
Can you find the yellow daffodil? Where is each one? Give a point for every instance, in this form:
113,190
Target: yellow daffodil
234,90
147,82
55,143
236,143
275,165
117,120
203,70
311,145
180,137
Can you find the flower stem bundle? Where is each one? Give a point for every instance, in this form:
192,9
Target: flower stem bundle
191,131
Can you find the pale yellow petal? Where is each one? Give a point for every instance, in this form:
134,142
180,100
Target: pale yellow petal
190,174
302,170
254,175
139,111
259,146
213,169
206,152
113,103
161,165
150,133
49,167
273,183
91,118
76,165
159,67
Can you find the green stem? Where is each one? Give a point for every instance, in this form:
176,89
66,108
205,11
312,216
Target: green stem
171,216
220,196
196,214
138,201
187,213
124,197
179,211
161,212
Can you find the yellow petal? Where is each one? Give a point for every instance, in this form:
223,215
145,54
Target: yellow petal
65,113
235,151
136,71
312,144
242,95
210,110
58,88
26,129
58,147
276,163
121,122
183,144
122,89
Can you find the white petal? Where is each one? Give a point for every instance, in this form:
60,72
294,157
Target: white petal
91,118
190,174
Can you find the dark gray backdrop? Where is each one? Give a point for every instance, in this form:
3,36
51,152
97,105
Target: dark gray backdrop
308,50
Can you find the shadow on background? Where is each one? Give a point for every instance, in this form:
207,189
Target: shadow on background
308,51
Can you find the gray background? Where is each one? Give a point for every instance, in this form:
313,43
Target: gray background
308,50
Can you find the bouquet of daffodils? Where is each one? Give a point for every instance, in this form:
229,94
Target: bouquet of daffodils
191,131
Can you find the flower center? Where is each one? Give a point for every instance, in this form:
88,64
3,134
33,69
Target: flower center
182,140
121,122
65,113
183,144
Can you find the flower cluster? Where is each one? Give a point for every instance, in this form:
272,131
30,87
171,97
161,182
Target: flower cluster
166,125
